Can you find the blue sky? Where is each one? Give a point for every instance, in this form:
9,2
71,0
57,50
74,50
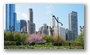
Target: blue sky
43,12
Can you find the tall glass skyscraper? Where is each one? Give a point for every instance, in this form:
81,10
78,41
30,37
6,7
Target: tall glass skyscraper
22,25
73,25
10,17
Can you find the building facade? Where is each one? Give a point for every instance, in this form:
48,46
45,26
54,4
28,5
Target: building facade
52,21
62,32
44,29
56,31
22,25
67,34
10,17
17,26
50,30
73,25
30,24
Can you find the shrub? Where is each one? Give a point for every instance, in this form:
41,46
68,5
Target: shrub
22,37
48,38
66,43
58,41
76,43
33,39
8,36
5,37
9,43
80,38
18,43
16,36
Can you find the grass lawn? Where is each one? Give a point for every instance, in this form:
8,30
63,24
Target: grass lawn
38,46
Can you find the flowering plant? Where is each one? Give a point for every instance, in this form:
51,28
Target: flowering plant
35,39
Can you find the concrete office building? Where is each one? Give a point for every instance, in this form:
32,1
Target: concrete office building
56,31
62,32
44,29
50,30
30,24
73,25
52,21
67,34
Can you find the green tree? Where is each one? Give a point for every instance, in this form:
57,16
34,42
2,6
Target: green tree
16,36
80,38
26,35
23,37
48,38
8,36
5,37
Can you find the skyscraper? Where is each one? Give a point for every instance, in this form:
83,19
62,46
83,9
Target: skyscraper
62,32
44,29
10,17
17,25
30,24
52,21
73,25
22,24
56,31
31,15
67,34
50,30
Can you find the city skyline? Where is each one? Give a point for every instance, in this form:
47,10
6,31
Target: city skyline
41,17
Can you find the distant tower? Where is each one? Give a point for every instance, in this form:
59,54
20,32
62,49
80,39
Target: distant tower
52,21
30,24
31,15
73,25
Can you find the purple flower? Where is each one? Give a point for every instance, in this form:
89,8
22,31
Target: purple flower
35,39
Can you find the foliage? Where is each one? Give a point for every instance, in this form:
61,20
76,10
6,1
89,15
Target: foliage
66,43
35,39
23,37
5,37
58,39
18,43
37,46
9,43
8,36
80,38
16,36
48,38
